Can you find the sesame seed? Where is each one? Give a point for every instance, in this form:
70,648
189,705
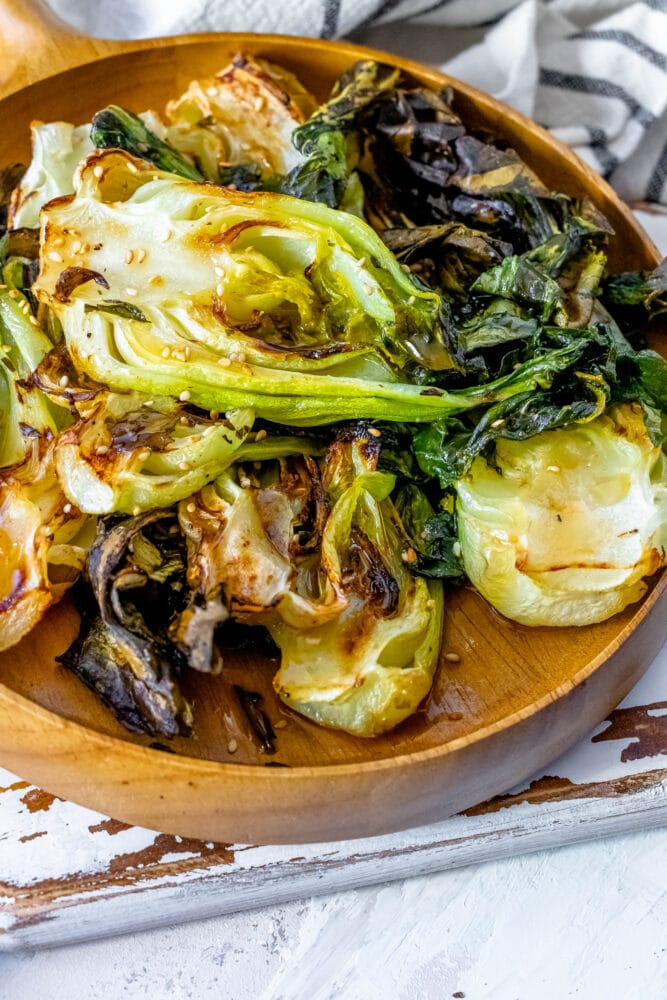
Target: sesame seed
238,356
130,291
129,256
214,414
184,420
361,262
244,481
232,746
260,435
184,466
98,171
178,354
136,511
54,255
404,267
209,430
64,381
218,272
132,167
553,468
57,241
411,300
195,438
498,423
184,396
456,549
165,352
430,604
224,362
452,657
101,449
409,556
165,235
6,348
219,289
141,256
374,432
67,508
144,454
313,640
367,289
13,294
280,724
259,103
148,402
191,507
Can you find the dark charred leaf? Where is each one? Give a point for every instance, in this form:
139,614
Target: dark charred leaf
251,702
72,277
520,280
98,657
431,535
126,310
161,746
123,650
578,234
642,376
456,254
483,168
499,323
116,128
637,296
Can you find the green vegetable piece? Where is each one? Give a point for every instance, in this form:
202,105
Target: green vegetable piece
130,458
116,128
370,666
564,527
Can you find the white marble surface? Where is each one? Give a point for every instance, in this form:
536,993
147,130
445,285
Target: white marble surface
585,922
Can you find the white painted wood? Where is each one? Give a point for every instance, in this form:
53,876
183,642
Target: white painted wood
262,878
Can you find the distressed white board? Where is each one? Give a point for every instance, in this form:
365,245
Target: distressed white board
69,874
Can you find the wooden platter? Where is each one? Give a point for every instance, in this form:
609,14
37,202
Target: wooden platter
517,698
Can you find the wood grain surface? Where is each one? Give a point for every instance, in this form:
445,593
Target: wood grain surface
517,698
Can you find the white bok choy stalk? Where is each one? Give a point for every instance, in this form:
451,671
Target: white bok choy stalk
564,527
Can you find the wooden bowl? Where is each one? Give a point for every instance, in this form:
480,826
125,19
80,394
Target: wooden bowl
518,697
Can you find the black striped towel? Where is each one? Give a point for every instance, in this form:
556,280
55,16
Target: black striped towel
592,71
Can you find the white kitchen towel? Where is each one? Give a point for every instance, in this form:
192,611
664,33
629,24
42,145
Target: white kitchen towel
592,71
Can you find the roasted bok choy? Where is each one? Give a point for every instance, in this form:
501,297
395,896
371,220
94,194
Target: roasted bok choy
280,373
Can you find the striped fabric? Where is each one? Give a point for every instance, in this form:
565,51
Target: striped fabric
592,71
